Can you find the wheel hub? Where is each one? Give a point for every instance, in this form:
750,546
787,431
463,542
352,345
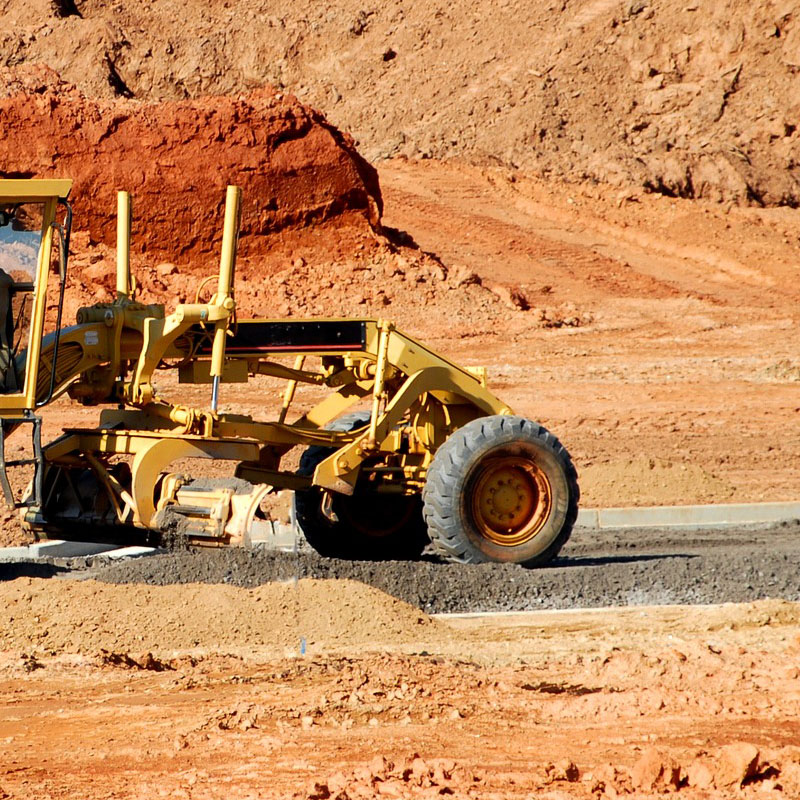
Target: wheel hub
511,500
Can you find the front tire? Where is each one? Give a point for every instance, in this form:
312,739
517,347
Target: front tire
501,488
363,526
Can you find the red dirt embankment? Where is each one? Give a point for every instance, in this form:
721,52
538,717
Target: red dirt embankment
177,157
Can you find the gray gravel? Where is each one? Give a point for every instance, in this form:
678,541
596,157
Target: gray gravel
596,568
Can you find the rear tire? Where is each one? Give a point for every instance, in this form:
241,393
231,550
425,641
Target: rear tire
367,526
501,488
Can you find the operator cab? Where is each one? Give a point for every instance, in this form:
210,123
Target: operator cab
34,216
21,235
35,220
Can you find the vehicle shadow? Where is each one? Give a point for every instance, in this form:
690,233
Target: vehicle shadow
603,561
29,569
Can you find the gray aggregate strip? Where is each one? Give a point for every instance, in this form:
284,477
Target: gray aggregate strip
597,568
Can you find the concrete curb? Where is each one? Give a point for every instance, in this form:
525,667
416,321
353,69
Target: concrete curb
133,551
688,516
277,536
59,548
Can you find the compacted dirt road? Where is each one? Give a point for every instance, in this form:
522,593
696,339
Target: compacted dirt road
596,569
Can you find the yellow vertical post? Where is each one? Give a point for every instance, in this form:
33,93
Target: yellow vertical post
385,327
223,298
39,308
123,245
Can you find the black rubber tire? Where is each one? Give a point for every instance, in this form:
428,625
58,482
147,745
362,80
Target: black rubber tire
448,507
369,526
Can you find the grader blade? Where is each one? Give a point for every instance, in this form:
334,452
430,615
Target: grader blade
212,512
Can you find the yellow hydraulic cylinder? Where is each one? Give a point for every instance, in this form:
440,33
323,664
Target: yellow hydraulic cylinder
291,388
123,245
223,298
385,327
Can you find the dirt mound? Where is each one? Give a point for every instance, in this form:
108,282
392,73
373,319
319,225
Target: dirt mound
295,169
63,616
177,157
693,99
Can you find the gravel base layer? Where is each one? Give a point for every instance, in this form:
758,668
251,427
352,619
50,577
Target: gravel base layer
596,568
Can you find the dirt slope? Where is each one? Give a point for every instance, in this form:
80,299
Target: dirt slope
345,613
688,98
177,157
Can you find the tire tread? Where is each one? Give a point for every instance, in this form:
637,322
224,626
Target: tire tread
451,462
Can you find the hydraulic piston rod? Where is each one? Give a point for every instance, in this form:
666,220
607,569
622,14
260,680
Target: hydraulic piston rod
123,245
224,295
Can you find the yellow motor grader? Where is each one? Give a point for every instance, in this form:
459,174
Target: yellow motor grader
432,457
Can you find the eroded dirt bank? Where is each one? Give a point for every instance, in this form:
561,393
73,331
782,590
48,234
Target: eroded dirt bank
694,100
295,168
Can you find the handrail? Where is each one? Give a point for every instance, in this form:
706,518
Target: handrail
63,254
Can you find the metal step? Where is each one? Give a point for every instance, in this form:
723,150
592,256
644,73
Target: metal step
35,498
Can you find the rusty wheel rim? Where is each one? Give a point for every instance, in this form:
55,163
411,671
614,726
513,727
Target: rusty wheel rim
511,500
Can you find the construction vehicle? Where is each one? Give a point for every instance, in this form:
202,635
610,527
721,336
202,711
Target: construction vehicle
432,457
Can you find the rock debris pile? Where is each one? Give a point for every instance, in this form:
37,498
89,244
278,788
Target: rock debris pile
413,778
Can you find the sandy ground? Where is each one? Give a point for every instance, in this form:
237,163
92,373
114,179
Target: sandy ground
691,362
656,336
556,704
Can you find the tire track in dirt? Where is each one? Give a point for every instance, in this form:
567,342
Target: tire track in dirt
562,260
648,260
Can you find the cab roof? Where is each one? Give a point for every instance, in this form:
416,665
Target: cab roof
22,189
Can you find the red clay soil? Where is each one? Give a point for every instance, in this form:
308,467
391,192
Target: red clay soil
294,167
